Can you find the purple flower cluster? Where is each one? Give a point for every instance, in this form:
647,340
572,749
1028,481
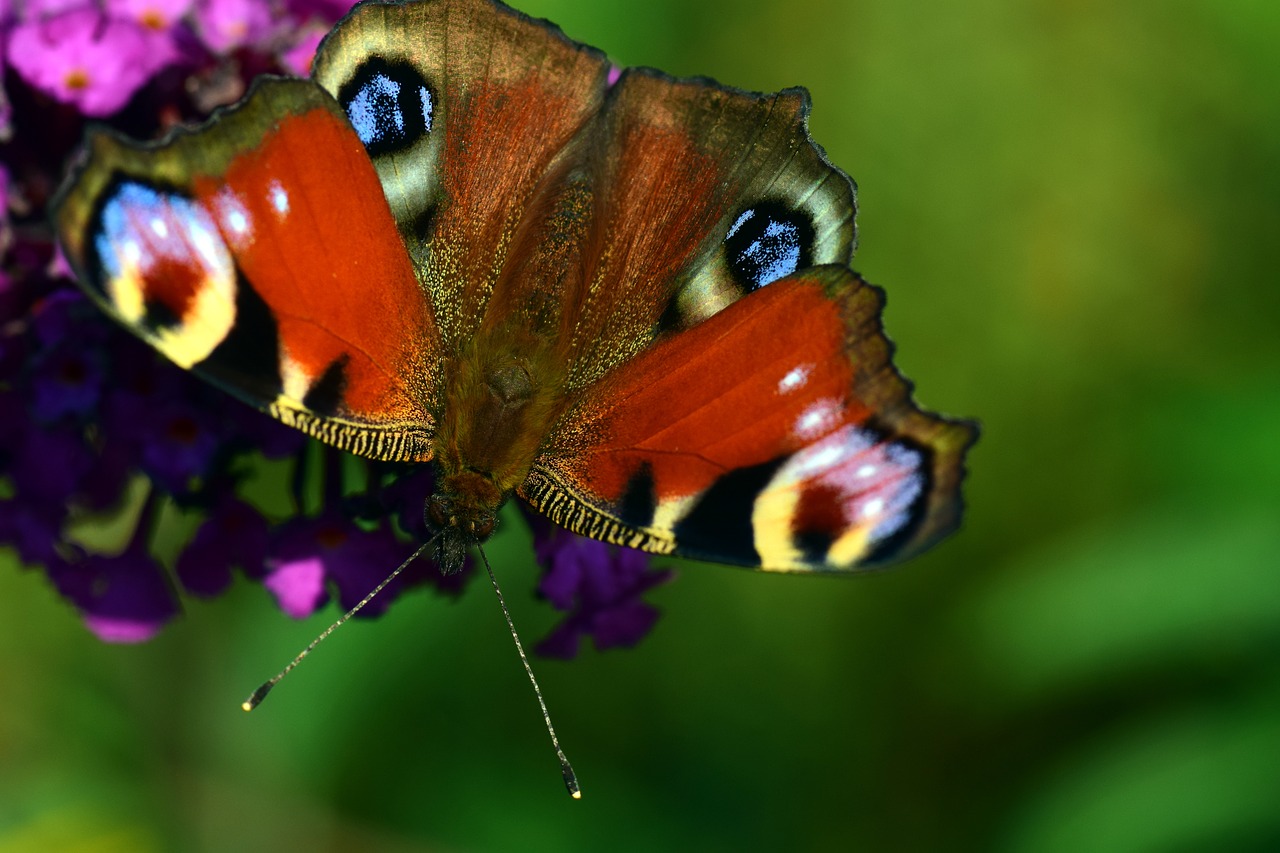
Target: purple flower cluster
94,426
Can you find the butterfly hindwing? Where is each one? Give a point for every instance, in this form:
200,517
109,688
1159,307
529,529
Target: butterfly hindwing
775,434
259,252
758,198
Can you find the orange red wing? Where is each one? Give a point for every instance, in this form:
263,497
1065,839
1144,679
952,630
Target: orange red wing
259,252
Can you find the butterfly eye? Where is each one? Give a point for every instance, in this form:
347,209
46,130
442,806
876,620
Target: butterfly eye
767,242
389,104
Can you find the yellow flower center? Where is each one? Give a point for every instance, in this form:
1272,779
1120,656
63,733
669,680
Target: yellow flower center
76,79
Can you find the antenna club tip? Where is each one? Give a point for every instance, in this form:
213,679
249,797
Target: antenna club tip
571,782
256,697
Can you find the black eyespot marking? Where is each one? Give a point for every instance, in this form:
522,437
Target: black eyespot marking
768,241
325,396
423,223
389,104
719,525
157,315
813,545
818,521
640,499
249,356
671,316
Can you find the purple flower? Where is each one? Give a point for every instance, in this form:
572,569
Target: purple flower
255,430
326,10
311,553
600,584
83,58
33,529
156,410
48,463
67,381
180,445
234,534
123,599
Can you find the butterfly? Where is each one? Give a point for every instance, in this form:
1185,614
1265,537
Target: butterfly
470,241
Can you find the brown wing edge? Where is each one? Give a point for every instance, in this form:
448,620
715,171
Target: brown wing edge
365,8
105,151
803,106
880,384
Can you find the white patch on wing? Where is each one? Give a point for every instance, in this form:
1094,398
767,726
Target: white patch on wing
279,198
795,378
818,419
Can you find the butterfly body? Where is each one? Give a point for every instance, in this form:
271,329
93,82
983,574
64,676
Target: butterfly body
624,300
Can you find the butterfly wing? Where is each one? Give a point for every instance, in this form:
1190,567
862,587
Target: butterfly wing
775,434
259,252
466,108
702,194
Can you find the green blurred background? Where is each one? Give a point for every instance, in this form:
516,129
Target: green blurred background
1075,210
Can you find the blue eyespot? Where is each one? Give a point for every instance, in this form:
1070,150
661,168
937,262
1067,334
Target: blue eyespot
389,104
767,242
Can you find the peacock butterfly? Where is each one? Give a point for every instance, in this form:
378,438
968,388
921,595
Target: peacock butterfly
622,296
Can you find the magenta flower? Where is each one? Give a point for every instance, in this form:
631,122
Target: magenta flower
312,553
83,58
225,25
296,59
158,15
122,599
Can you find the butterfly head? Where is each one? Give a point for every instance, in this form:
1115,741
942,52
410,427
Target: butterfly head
464,511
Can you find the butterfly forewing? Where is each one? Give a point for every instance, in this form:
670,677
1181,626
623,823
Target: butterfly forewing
259,252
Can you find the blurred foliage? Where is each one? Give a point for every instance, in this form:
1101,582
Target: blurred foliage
1073,208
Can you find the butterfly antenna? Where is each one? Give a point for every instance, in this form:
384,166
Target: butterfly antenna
255,699
566,769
